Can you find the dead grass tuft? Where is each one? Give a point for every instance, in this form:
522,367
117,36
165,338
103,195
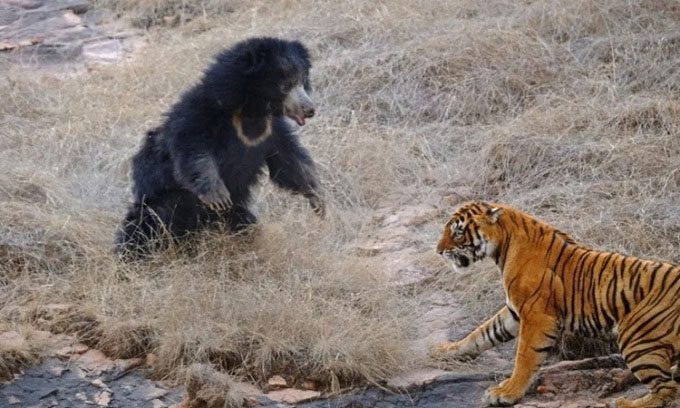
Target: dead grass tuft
208,388
127,339
68,319
149,13
16,352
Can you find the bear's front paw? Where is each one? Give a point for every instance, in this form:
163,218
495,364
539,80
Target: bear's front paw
216,198
450,350
317,203
503,394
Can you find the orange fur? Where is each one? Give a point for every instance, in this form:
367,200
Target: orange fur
554,284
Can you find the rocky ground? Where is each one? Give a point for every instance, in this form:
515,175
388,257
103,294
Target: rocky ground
70,37
63,36
74,375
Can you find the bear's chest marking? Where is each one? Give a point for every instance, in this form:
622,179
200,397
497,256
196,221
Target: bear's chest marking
244,129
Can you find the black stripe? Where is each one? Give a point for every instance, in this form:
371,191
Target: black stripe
648,367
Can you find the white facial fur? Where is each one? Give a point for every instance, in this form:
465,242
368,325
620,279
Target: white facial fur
297,103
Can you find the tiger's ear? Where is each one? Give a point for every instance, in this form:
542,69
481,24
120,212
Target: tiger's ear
494,213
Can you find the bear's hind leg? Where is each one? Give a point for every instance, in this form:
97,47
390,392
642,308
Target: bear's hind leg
140,233
155,224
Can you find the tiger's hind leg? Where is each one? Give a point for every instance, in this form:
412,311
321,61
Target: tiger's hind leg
654,370
650,356
502,327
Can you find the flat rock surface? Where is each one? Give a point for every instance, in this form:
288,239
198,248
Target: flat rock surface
455,391
65,383
63,36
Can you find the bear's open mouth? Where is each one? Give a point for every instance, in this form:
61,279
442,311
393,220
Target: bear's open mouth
299,118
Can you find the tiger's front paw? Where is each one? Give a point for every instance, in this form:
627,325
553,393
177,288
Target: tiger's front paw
503,394
450,350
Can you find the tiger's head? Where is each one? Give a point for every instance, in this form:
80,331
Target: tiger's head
471,234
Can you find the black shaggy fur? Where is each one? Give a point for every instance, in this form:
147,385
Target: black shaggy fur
197,169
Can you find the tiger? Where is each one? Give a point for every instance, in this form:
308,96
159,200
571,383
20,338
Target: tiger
554,285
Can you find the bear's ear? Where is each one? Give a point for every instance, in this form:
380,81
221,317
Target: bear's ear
301,54
253,60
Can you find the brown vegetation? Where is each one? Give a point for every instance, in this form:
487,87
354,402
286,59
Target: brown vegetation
567,109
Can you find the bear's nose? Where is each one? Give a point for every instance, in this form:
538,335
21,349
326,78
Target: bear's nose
309,112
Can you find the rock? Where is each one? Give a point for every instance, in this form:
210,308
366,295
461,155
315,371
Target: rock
80,6
12,400
62,35
148,392
292,395
26,4
80,348
81,397
48,393
57,371
276,382
416,378
122,367
129,363
158,404
66,351
553,404
103,399
71,18
104,52
6,46
93,360
100,384
156,393
77,6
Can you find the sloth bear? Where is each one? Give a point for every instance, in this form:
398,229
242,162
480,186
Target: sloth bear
197,168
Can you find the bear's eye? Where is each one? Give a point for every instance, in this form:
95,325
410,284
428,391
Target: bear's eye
287,86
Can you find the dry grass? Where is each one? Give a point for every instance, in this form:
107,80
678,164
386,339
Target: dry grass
148,13
209,388
18,349
567,109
